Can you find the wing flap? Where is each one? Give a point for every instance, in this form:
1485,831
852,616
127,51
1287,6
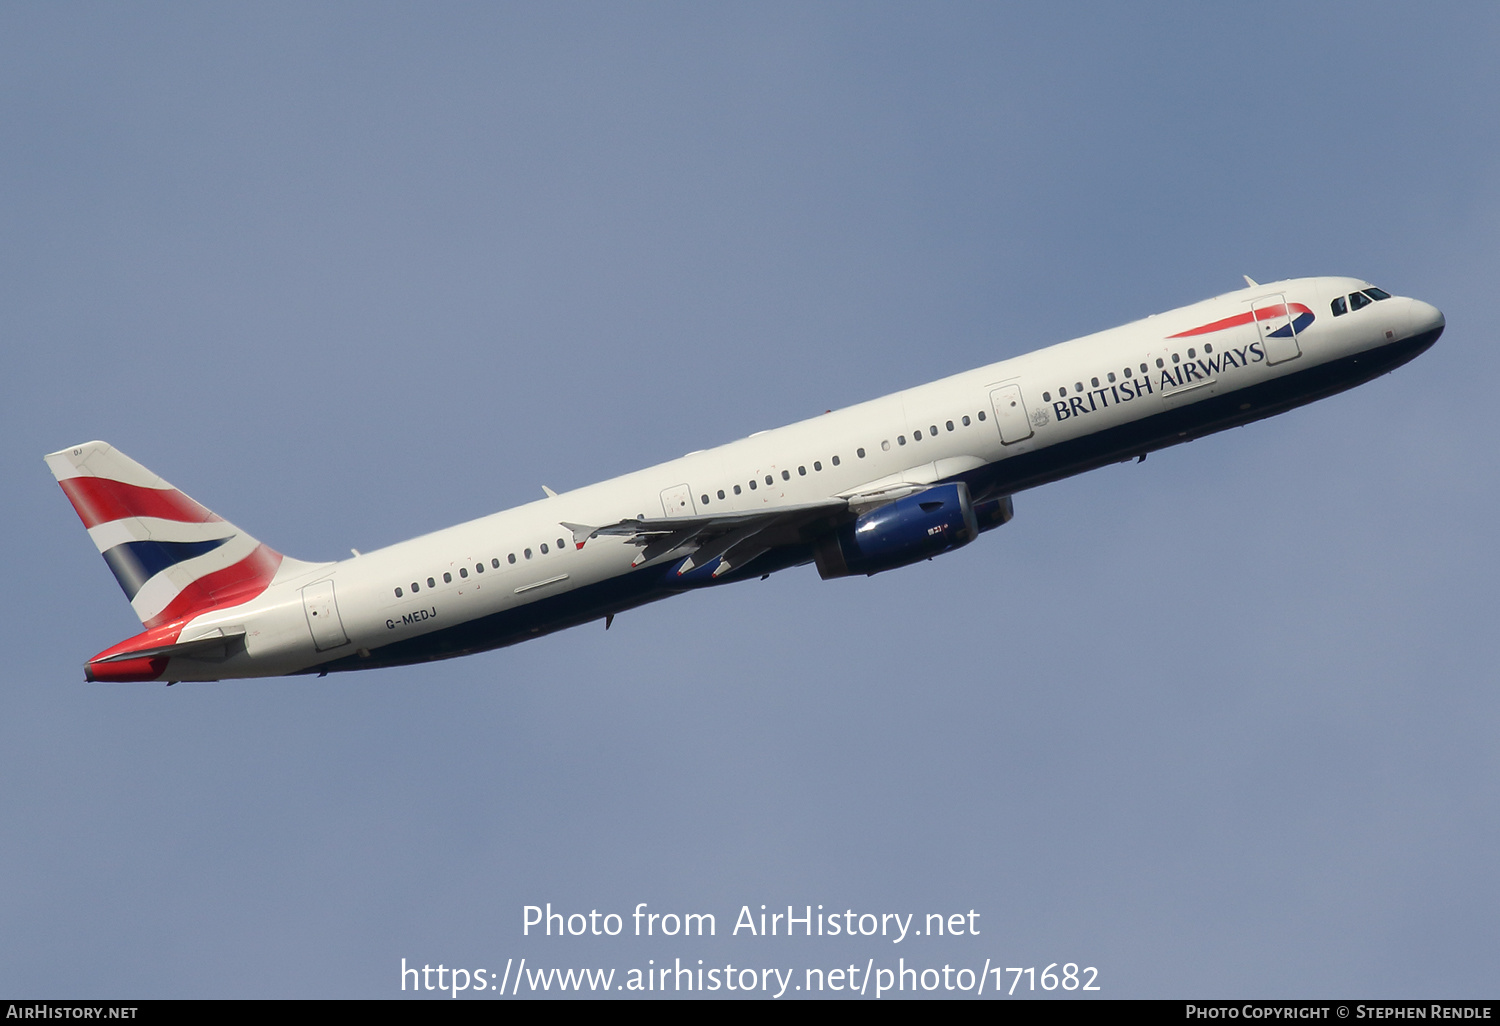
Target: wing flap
717,523
714,536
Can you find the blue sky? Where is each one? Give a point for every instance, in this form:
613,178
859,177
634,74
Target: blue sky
1218,724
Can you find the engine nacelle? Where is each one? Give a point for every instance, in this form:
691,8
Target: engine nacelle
906,531
991,513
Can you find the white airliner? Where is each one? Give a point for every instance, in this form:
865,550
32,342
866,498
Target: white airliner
856,491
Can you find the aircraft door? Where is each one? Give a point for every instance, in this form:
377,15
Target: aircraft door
323,616
1010,414
677,501
1277,328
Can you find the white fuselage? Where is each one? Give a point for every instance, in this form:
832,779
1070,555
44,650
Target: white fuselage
1047,414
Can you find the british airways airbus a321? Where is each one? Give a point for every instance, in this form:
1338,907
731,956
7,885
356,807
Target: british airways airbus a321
856,491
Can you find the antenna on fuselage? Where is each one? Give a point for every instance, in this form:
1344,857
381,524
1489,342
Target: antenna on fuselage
1250,281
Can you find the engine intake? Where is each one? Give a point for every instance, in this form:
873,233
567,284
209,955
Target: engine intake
906,531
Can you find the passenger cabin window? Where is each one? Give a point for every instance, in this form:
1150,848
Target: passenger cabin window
415,587
398,592
835,461
463,572
544,548
447,578
1340,306
786,475
737,489
1046,398
431,583
1358,300
511,559
966,419
861,453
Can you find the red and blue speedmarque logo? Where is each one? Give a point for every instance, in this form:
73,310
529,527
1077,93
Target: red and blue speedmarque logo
1298,317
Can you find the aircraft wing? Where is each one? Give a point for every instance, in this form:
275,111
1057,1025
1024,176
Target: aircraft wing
732,538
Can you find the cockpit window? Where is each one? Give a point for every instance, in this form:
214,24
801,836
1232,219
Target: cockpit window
1375,293
1358,300
1340,306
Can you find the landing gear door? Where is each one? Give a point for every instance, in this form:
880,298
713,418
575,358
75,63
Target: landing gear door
1276,324
1010,414
677,501
323,616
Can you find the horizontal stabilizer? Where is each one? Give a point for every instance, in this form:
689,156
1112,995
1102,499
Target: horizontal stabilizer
209,645
145,656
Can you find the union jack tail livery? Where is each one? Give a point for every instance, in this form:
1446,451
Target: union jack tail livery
174,558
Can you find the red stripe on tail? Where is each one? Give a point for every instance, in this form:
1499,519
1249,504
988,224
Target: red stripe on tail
99,500
230,586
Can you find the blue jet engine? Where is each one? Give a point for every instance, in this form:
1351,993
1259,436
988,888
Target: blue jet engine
906,531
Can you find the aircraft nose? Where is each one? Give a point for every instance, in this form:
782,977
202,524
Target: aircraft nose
1426,318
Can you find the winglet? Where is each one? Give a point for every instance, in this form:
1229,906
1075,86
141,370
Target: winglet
581,532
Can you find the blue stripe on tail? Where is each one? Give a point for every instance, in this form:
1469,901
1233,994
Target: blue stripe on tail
135,563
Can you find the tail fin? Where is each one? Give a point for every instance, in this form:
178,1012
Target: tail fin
172,557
